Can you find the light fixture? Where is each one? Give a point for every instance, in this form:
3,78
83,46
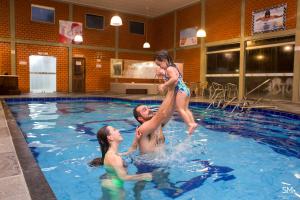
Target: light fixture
116,21
287,48
260,57
201,33
146,45
78,39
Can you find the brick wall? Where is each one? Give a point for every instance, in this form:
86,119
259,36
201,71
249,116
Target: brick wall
5,58
222,23
188,17
105,37
129,40
23,52
97,79
222,20
4,18
162,36
27,29
191,60
253,5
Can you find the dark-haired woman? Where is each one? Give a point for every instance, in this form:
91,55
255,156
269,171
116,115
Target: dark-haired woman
109,139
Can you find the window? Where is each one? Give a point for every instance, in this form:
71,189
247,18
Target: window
94,21
270,60
277,59
223,59
42,14
136,27
223,63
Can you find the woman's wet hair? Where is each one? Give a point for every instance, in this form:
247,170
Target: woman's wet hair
164,55
104,145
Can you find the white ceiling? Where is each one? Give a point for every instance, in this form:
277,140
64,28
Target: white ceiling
150,8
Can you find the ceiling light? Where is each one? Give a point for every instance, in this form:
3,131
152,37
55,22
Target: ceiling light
116,21
78,38
146,45
201,33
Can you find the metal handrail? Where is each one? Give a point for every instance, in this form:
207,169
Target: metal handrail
257,87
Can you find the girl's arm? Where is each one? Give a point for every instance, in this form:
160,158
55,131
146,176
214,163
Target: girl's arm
117,163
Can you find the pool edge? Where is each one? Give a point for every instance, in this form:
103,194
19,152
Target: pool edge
36,182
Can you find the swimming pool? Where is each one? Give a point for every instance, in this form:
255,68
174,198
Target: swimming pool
230,156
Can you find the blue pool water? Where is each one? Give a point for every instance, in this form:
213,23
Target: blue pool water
230,156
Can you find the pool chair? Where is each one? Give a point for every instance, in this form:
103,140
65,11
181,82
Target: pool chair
275,86
197,88
231,94
288,88
216,95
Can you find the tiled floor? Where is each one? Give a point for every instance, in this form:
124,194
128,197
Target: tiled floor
12,182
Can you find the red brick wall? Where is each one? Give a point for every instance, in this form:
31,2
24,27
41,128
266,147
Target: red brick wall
5,65
4,18
188,17
162,36
191,60
61,53
253,5
97,79
222,23
129,40
27,29
105,37
222,19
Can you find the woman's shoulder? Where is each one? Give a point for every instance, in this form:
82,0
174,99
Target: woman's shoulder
112,158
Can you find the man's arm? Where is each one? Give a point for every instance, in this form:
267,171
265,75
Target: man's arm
163,113
131,149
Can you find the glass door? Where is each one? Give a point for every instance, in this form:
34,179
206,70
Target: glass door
42,74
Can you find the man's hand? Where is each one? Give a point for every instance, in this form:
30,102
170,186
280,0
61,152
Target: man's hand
138,134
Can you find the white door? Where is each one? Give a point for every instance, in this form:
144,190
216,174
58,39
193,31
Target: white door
42,74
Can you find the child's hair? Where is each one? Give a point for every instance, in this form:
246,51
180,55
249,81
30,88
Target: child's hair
164,55
104,145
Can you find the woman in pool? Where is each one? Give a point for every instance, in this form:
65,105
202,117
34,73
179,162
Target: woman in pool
109,139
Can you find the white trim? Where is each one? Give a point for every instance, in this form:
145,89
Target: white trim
268,74
251,75
45,7
223,51
223,42
222,75
270,45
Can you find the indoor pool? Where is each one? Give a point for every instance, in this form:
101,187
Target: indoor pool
230,156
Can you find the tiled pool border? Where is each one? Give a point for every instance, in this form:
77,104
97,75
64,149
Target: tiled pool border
147,101
36,182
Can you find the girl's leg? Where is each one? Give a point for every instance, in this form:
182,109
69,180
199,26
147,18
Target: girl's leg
182,108
190,114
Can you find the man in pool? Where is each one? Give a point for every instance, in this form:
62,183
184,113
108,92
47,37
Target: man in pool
149,137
